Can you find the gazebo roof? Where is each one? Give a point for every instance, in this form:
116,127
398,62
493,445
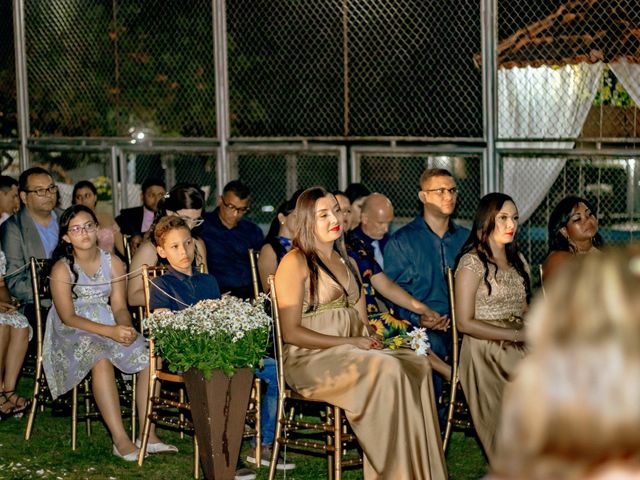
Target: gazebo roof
578,31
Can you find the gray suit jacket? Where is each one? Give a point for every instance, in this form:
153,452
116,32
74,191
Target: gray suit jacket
20,241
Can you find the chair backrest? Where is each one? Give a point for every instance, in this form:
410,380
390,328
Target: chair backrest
255,273
544,293
147,273
455,337
128,252
278,344
40,269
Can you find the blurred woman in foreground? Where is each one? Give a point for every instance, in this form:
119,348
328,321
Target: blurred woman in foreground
573,411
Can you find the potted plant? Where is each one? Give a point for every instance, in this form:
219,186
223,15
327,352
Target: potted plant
216,345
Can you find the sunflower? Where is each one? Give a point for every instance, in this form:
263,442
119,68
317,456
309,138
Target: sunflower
395,323
377,323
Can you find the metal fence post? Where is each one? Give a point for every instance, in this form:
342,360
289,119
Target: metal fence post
222,89
21,82
489,93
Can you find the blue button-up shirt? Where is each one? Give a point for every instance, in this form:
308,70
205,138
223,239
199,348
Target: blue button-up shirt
185,289
417,259
228,252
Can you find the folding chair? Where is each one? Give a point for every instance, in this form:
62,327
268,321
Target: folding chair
457,413
326,437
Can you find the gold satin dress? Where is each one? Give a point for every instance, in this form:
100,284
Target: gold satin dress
387,396
486,365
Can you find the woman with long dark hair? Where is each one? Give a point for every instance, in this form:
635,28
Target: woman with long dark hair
573,230
278,240
185,201
331,356
492,288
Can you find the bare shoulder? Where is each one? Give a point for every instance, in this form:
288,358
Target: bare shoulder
60,270
145,254
117,265
294,261
553,262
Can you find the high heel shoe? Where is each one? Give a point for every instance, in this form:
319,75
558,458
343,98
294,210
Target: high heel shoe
12,411
129,457
9,394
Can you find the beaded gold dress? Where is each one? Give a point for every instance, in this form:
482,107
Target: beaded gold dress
486,365
387,395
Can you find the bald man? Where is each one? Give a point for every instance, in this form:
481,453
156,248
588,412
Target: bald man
373,231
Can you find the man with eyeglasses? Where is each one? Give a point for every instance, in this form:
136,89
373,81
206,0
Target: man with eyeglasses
228,237
417,257
31,232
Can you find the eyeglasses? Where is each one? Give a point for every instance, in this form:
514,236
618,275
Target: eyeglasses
441,191
88,227
233,208
41,192
192,222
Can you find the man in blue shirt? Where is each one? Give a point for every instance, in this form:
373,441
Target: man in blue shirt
229,237
417,257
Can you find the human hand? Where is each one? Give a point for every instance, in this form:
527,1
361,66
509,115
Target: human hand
434,321
366,343
8,307
124,334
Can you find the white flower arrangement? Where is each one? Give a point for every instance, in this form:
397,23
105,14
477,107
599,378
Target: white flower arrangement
417,339
223,334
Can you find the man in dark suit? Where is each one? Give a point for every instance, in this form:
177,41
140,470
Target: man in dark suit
137,220
32,231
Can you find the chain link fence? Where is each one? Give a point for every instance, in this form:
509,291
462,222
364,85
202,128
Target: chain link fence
609,183
107,69
342,75
397,175
354,69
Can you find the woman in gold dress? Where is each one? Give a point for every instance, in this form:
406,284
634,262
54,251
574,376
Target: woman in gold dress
330,356
492,288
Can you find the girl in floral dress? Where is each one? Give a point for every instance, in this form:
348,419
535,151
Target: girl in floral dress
89,327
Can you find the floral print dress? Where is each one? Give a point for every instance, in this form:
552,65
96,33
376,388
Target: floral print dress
13,319
69,353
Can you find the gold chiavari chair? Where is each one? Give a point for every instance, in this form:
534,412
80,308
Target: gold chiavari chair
163,407
255,273
457,413
80,394
328,437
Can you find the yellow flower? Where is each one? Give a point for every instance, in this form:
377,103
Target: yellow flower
394,322
378,324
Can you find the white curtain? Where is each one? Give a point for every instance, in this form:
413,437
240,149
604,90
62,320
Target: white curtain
629,76
544,102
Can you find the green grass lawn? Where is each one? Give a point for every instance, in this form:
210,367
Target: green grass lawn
48,455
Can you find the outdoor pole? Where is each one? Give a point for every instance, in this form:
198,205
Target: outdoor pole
489,94
21,82
222,90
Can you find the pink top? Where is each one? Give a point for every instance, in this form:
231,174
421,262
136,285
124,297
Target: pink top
147,219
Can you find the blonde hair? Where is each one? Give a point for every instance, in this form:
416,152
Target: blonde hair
574,405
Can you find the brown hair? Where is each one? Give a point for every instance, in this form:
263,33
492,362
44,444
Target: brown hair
166,225
433,172
574,404
304,240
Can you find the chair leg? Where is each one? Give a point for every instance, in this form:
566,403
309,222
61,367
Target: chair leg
87,406
74,416
275,451
181,414
450,412
37,386
258,427
147,421
330,422
337,459
134,410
